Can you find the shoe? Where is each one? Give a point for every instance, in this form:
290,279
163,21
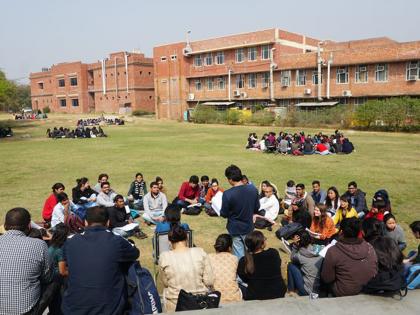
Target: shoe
140,235
270,228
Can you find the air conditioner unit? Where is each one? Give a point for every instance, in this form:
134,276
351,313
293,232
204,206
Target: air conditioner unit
284,82
244,94
347,93
362,69
380,68
236,93
308,91
413,78
187,51
191,96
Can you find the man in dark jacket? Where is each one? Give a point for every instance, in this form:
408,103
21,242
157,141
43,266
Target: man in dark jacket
120,221
351,263
95,260
358,199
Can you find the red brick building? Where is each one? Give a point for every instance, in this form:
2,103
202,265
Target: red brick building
278,68
118,84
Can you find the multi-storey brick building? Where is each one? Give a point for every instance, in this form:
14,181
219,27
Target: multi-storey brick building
275,67
118,84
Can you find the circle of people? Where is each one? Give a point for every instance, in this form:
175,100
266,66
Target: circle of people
338,244
300,144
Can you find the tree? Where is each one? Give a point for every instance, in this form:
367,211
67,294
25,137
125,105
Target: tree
13,96
369,112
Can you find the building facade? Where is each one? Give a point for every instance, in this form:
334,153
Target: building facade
278,68
121,83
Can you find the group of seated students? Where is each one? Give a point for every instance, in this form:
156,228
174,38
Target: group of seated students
300,144
100,120
338,245
6,132
79,132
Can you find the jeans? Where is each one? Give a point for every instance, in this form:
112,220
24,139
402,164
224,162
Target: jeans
238,246
146,217
295,280
120,231
80,209
182,203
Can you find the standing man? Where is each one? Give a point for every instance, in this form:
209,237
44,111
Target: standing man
317,194
239,204
95,261
24,265
154,203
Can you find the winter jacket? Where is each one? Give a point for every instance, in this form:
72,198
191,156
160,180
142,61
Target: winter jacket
310,265
348,266
358,201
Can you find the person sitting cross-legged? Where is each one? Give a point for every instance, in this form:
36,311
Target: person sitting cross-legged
269,209
137,191
214,190
188,193
172,217
50,203
120,221
106,197
62,209
154,203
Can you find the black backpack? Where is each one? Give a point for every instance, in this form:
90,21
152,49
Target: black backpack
387,283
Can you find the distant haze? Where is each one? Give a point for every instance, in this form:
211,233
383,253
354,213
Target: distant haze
37,34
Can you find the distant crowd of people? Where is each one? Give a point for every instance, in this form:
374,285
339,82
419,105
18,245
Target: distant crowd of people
339,245
100,120
6,132
79,132
30,115
300,144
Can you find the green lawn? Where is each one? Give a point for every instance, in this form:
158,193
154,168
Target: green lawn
31,163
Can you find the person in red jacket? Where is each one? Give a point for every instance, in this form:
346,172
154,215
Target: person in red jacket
51,201
188,193
377,211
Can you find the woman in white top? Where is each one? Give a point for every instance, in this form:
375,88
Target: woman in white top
332,201
183,268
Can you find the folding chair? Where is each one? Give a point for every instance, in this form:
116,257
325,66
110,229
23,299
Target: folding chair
161,244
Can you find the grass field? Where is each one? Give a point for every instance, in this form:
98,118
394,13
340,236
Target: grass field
31,163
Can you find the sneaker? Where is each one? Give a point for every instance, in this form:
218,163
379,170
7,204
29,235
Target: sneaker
286,246
140,235
270,228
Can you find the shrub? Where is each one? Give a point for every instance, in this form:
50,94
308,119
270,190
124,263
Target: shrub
46,110
233,116
139,112
208,115
263,118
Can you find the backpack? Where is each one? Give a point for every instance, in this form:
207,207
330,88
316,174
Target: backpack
196,210
143,296
387,283
289,230
382,194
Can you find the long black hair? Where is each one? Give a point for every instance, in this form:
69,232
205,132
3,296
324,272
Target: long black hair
254,242
59,236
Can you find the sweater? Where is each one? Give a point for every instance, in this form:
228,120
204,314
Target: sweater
310,266
211,193
327,231
48,208
271,207
338,217
398,236
266,282
348,266
137,189
186,191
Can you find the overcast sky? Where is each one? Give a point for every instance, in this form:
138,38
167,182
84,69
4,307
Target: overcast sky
39,33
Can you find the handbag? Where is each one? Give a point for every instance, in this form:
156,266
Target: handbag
188,301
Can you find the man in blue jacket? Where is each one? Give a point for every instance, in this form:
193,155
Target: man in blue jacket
96,260
239,203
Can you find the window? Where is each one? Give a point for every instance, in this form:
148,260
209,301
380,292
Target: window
61,82
221,83
300,77
73,81
315,77
413,70
163,58
342,75
381,72
198,85
265,52
239,55
265,79
220,58
252,80
74,102
198,62
41,85
62,102
360,100
210,83
240,81
361,74
285,77
173,57
252,53
209,59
